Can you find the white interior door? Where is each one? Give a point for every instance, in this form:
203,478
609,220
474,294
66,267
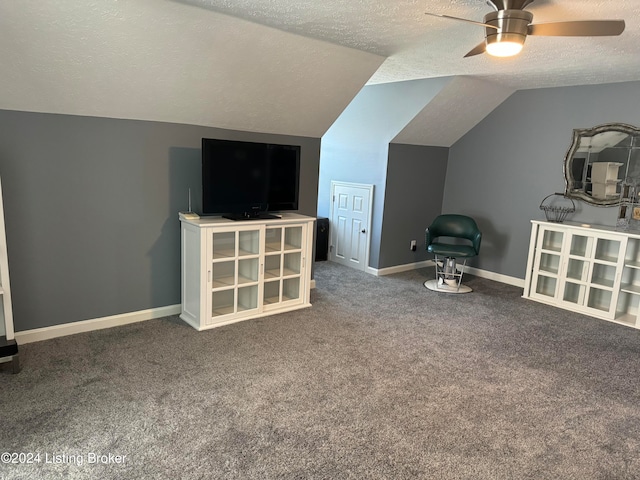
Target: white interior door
350,224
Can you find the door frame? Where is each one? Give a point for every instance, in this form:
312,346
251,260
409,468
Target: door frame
366,186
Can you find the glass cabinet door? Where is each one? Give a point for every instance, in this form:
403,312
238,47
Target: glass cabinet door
234,272
283,265
628,305
592,267
548,256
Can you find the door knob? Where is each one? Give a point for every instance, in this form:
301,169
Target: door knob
364,231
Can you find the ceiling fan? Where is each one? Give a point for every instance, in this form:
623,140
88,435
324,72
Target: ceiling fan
508,26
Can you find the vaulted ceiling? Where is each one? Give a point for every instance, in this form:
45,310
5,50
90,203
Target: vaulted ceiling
421,46
287,66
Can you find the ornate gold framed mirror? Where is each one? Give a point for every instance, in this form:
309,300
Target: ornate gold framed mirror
601,162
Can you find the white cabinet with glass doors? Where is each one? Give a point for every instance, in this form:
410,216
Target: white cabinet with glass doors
235,270
585,268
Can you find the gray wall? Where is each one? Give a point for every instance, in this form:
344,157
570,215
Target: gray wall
413,198
91,210
356,147
502,169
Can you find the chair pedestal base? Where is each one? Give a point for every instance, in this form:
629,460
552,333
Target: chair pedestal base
448,278
444,288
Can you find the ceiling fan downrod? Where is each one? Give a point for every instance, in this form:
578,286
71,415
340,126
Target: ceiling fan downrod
509,4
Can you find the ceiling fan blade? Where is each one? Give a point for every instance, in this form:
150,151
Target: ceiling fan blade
477,50
461,20
579,28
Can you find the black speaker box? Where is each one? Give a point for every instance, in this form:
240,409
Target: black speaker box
322,238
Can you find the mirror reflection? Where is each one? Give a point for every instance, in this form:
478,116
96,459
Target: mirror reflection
602,163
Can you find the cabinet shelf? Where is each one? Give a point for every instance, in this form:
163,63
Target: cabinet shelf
277,248
271,300
245,280
224,253
603,283
607,260
226,310
630,288
272,273
549,272
223,282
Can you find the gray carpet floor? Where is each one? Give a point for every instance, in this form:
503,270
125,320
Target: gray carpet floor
380,379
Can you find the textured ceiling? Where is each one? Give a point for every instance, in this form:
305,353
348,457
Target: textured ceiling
287,66
421,46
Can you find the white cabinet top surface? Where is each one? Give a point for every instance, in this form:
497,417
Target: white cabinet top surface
220,221
588,227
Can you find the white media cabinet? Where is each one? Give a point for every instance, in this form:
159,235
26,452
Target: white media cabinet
588,269
236,270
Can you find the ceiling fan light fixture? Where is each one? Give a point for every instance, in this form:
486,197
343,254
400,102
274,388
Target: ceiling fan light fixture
505,48
509,32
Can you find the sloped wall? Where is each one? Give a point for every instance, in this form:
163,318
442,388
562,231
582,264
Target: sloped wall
457,108
167,61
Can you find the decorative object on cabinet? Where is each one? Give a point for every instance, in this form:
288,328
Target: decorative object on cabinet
233,271
451,227
8,345
556,208
587,269
599,161
628,212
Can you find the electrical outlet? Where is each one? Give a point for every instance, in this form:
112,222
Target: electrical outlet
412,247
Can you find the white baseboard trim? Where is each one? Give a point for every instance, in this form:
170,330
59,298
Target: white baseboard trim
378,272
498,277
55,331
47,333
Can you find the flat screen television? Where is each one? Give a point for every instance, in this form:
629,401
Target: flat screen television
247,180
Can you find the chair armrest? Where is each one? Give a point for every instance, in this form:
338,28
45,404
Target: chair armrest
428,238
475,241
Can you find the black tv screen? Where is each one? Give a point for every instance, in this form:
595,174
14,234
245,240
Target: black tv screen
244,180
284,177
